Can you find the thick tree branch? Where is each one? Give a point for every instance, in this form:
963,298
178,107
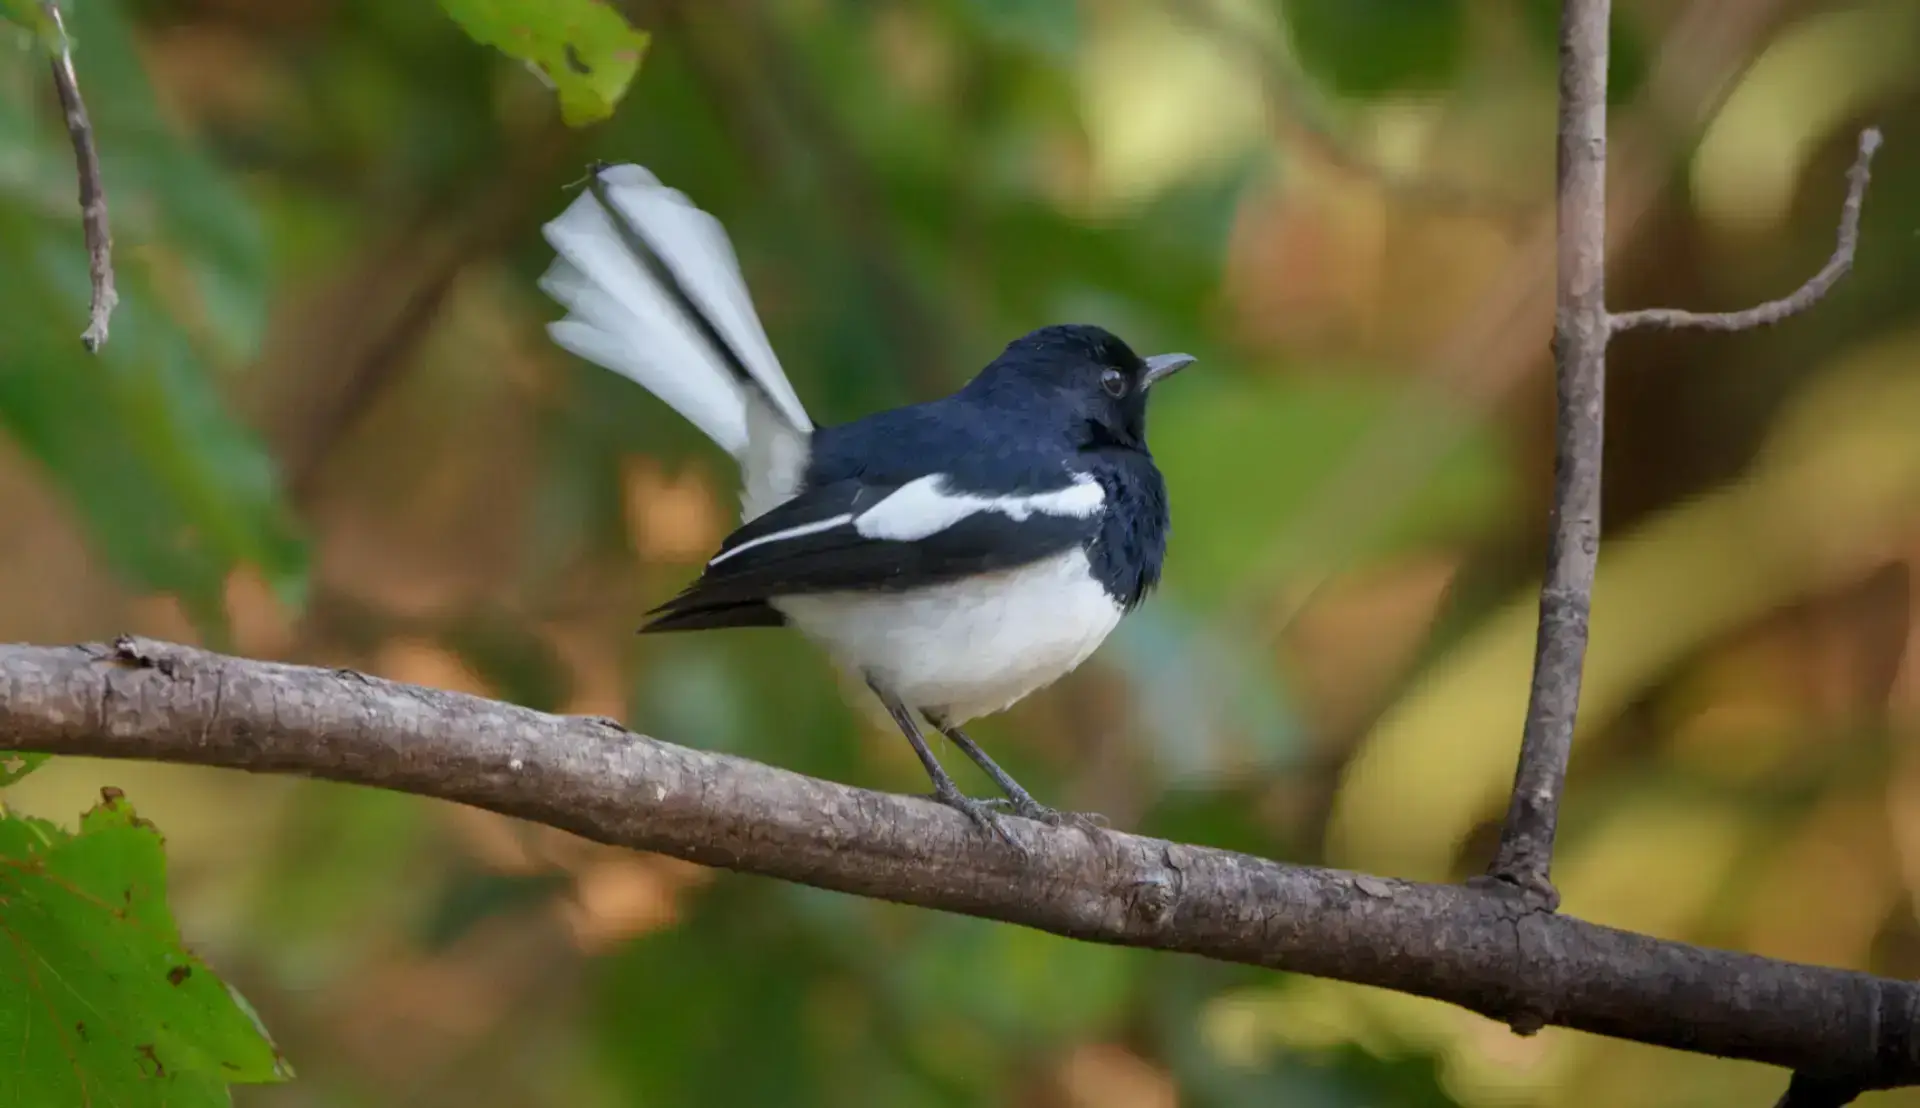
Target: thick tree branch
1490,953
93,194
1802,298
1525,856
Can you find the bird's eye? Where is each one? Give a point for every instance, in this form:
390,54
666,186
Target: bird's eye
1115,382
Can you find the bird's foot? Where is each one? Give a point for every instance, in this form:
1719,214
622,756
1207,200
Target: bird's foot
1027,807
981,812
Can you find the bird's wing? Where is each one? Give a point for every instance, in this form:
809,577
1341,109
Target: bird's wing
653,292
855,536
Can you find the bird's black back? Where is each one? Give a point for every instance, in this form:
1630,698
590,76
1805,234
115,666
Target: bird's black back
1031,420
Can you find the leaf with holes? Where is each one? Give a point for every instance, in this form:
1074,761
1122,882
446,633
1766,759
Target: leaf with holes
99,1001
583,48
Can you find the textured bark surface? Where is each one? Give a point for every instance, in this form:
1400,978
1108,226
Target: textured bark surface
1491,952
1525,856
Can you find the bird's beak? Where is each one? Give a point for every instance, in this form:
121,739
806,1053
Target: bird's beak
1161,366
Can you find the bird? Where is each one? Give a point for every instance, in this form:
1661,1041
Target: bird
955,555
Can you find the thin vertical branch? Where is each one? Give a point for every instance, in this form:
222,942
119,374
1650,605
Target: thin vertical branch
1582,327
93,194
1525,854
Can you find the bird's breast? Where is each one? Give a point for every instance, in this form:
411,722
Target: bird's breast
970,647
1132,544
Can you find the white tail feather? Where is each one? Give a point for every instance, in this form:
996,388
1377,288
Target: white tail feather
621,317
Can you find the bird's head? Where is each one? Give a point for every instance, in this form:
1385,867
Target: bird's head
1086,374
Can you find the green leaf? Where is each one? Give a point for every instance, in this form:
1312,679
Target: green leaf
15,764
1366,48
99,1001
584,48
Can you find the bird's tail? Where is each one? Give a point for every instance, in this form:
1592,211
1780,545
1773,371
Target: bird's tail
653,292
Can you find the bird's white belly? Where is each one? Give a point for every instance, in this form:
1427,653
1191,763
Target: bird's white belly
967,648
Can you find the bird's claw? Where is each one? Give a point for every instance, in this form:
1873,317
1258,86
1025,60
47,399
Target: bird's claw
981,812
1029,808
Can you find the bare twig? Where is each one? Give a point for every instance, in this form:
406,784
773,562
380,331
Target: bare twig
156,701
1802,298
93,194
1497,343
1525,855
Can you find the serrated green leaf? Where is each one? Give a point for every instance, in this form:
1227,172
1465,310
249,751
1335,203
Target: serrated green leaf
1370,47
584,48
15,764
99,1001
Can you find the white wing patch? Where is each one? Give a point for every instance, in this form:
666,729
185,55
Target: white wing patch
785,533
924,507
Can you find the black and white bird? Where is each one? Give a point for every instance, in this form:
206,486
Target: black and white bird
956,555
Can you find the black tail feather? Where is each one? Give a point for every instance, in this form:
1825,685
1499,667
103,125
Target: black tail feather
750,613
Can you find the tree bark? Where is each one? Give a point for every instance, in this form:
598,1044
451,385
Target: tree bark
1495,954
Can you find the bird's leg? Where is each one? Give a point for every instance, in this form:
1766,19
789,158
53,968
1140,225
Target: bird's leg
1018,799
944,789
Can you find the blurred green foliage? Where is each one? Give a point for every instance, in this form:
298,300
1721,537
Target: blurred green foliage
33,16
175,491
1411,44
327,427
